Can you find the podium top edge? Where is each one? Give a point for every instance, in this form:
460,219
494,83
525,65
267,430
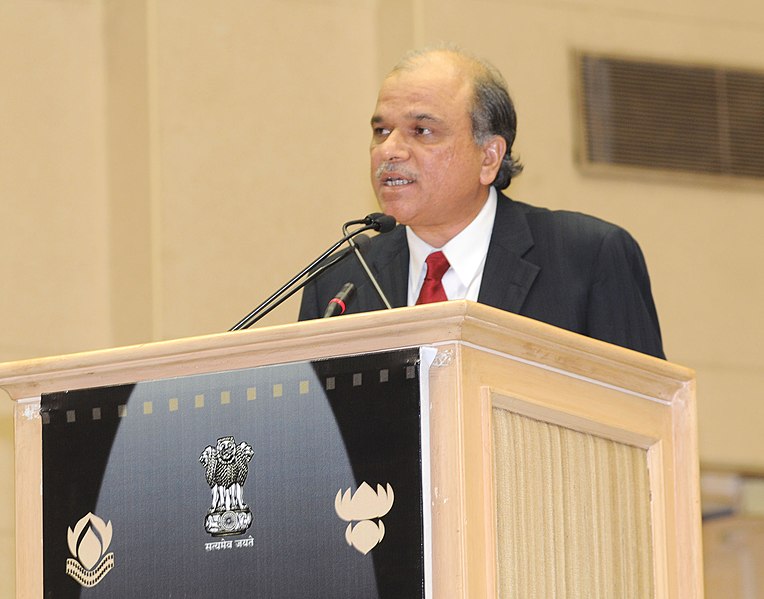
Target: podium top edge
454,321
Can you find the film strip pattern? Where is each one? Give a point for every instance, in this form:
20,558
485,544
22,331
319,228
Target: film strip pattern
224,397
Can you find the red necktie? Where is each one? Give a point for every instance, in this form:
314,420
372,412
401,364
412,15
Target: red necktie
432,289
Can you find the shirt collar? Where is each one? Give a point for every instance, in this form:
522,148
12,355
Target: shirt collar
466,252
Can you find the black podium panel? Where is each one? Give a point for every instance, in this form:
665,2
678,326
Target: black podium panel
297,480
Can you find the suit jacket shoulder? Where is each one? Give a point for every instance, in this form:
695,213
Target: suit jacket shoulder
573,271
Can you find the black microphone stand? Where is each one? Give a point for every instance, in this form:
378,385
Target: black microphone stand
284,292
365,266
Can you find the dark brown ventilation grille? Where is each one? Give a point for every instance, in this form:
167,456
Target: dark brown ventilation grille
663,116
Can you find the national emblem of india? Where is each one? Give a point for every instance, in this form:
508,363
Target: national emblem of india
226,467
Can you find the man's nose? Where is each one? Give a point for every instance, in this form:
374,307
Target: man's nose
394,148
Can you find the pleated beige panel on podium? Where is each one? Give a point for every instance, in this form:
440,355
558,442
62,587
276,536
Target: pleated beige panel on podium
558,466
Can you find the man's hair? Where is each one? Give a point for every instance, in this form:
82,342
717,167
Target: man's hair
492,112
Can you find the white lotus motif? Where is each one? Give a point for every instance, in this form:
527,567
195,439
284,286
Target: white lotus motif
364,504
91,546
365,535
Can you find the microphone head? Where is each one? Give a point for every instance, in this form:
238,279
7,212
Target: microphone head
384,223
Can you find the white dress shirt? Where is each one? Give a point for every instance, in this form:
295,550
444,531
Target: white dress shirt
465,253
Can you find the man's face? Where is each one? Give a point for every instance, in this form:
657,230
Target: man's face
426,169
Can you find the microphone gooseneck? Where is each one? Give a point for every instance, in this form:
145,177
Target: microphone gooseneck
358,244
384,224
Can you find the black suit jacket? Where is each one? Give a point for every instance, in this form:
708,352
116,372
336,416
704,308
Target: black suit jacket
564,268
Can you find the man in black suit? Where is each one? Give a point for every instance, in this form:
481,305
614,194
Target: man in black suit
443,130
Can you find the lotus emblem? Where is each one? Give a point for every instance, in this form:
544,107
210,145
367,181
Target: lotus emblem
88,543
363,506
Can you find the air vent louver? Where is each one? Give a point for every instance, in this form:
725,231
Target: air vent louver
665,116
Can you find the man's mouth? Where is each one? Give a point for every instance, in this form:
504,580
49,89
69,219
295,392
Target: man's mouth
392,175
395,181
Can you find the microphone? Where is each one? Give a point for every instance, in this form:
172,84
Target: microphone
338,304
383,223
291,287
378,221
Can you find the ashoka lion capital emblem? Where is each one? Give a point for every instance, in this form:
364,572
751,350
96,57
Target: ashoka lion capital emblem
226,467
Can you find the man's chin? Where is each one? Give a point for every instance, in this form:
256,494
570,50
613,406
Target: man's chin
394,193
396,203
402,217
393,208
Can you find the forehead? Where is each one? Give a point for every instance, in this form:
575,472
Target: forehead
432,87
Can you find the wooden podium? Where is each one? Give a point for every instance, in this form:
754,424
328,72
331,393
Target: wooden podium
558,466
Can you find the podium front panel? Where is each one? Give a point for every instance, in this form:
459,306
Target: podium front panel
573,512
296,480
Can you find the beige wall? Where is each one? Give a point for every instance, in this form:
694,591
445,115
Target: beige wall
165,164
700,239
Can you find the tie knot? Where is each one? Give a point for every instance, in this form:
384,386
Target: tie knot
437,265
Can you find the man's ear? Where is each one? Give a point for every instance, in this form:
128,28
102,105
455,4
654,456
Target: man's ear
493,155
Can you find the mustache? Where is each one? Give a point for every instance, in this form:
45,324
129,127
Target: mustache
389,167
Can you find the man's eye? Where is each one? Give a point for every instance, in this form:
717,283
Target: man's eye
422,131
381,132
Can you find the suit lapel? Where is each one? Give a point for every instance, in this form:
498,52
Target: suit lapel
508,277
